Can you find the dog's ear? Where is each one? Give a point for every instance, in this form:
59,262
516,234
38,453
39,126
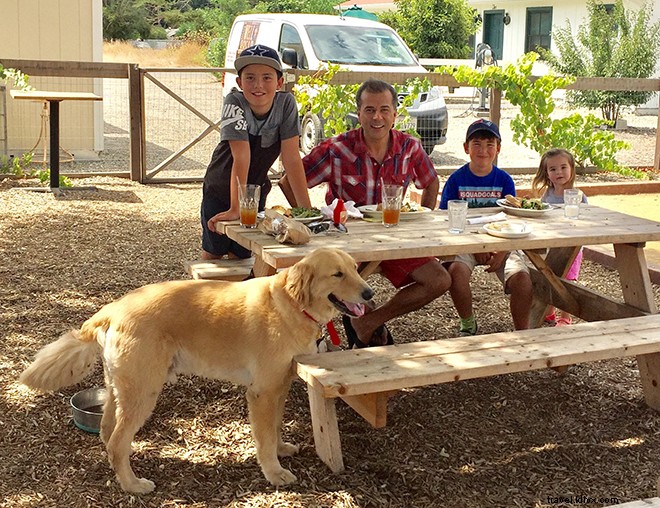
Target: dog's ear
299,281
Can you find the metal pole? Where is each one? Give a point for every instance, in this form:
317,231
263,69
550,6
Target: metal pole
54,144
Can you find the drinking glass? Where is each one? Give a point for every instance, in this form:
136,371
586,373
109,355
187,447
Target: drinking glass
457,211
572,201
248,201
391,199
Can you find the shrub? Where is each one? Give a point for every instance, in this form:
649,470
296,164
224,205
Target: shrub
533,125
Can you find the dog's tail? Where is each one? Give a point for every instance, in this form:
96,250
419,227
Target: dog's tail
64,362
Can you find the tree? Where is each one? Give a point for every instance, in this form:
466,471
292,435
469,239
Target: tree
124,19
614,43
309,6
434,28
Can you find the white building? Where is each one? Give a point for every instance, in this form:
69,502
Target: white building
514,27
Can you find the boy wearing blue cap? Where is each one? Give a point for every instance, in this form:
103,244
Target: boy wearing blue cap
481,184
259,123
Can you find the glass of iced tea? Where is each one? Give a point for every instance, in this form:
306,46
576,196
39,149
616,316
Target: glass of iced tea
248,201
391,196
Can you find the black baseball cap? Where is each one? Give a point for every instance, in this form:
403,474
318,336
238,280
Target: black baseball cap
482,125
258,54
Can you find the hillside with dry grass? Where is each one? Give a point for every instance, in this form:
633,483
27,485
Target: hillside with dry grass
188,54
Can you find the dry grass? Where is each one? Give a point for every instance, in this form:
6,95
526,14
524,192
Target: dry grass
513,440
188,54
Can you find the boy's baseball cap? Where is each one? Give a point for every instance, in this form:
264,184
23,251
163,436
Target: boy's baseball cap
258,54
483,125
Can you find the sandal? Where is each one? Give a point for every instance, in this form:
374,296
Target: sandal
562,321
354,342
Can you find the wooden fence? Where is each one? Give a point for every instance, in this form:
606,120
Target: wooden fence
135,78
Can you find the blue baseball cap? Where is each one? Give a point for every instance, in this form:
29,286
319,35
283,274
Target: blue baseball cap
258,54
482,125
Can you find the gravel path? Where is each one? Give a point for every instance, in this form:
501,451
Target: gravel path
517,440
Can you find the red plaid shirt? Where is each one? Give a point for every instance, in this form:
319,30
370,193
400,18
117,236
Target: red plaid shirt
353,175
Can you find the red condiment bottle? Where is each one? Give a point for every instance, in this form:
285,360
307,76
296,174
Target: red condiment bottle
340,215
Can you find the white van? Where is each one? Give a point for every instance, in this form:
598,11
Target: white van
306,40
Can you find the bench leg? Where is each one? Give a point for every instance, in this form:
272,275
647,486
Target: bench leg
649,372
326,429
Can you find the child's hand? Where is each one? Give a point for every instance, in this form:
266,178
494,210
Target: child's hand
227,215
496,261
483,258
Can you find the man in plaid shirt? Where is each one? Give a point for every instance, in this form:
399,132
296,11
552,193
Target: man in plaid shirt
353,165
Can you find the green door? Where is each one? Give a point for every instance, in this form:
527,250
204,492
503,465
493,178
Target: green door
494,31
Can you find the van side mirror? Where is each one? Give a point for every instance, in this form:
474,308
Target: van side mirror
290,57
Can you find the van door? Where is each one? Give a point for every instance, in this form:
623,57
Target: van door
290,39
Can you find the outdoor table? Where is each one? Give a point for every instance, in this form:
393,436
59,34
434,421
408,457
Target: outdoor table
54,99
427,235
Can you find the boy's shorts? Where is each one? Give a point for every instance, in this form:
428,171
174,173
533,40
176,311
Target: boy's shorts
212,242
398,271
513,264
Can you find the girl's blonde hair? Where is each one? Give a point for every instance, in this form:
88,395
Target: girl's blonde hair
541,183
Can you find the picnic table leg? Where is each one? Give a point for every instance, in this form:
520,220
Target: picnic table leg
637,291
326,429
261,268
558,261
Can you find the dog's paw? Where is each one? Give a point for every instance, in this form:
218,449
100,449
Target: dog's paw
287,449
280,477
139,486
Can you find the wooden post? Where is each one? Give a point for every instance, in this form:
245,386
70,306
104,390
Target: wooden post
136,109
495,109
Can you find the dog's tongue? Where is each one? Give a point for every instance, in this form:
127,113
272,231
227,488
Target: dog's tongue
357,309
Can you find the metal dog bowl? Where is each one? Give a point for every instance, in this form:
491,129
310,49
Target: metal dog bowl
87,408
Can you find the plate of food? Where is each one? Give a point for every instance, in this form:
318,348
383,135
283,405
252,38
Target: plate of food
304,215
408,211
508,229
524,207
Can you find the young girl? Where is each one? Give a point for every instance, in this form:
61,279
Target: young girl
555,174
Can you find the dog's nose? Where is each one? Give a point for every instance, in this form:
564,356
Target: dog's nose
368,294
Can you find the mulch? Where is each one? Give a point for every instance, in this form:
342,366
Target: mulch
534,439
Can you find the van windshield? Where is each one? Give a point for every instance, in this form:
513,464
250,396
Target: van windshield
354,45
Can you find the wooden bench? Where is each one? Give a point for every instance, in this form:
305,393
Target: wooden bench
219,269
366,378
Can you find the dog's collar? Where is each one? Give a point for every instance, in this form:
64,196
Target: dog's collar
332,331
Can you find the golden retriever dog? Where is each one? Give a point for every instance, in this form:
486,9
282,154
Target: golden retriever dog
244,332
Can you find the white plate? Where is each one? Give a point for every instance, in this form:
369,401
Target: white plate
522,212
307,220
371,212
506,229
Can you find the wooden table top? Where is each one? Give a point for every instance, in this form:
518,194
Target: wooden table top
427,235
40,95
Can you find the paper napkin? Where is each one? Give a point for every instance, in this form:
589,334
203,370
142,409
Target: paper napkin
351,210
487,218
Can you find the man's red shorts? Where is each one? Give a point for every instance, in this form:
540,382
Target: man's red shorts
398,271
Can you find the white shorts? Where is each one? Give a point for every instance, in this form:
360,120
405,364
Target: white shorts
513,264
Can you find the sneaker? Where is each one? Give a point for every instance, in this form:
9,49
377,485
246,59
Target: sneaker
550,319
562,321
467,332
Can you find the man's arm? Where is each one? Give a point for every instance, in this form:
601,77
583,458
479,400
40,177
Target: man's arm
430,195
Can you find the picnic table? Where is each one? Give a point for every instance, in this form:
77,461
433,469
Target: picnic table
365,379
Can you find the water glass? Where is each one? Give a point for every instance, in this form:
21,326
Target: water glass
572,201
391,196
248,202
457,210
